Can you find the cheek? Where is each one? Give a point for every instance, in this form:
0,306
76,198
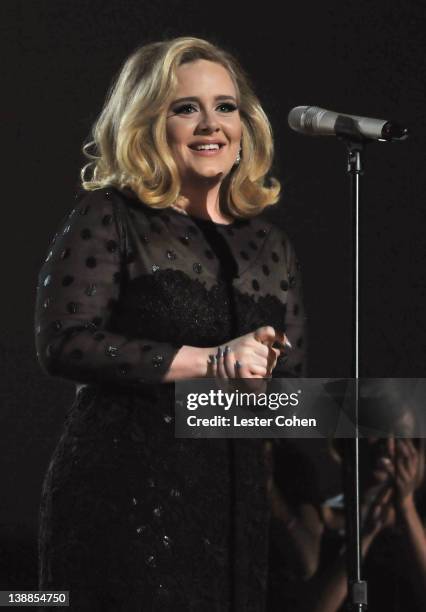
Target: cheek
238,129
178,133
236,142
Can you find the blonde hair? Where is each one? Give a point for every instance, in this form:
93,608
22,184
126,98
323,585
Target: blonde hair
129,144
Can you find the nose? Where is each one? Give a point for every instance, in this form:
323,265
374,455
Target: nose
208,122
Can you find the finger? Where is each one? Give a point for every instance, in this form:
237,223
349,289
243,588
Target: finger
402,473
272,359
212,372
257,362
221,383
405,457
280,336
391,446
241,370
404,480
221,373
282,339
258,370
385,495
260,355
212,366
414,456
402,449
229,362
265,335
387,464
258,350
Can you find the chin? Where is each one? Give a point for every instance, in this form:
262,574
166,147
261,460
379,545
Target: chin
215,174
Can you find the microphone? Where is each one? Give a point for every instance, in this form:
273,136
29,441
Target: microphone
315,121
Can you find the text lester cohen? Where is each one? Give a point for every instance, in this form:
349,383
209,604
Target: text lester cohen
236,421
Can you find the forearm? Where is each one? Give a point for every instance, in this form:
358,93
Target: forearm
327,592
302,533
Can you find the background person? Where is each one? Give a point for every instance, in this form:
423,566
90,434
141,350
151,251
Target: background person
308,572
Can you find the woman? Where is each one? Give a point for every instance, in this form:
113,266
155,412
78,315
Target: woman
393,514
164,271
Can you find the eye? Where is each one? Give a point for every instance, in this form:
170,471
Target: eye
227,107
185,109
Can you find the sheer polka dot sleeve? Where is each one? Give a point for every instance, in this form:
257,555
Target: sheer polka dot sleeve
293,362
78,301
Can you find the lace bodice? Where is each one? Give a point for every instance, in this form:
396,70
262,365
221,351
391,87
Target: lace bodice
124,286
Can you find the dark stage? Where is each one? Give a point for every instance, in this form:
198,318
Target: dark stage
364,58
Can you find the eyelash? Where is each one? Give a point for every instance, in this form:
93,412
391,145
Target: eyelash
180,110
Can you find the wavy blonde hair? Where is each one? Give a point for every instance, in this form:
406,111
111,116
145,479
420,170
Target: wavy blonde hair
129,144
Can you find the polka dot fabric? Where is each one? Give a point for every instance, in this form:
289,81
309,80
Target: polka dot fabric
78,295
126,519
121,268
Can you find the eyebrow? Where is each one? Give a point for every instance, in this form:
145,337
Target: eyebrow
195,99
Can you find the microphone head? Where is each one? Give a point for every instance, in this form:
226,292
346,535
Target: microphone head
295,117
301,118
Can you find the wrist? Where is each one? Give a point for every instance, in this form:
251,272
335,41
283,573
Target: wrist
202,360
366,542
407,505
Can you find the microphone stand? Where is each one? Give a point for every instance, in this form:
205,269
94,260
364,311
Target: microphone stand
347,131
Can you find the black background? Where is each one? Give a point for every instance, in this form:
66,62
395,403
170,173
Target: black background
365,58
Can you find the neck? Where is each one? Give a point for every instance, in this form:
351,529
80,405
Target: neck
202,200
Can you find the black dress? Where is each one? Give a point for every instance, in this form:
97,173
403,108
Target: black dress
131,517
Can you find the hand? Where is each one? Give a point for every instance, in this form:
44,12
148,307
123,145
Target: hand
402,468
406,470
249,359
379,512
249,356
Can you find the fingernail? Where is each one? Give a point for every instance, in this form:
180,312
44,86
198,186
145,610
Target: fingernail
212,359
227,350
287,342
219,352
237,364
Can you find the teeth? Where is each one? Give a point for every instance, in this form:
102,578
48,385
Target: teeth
206,147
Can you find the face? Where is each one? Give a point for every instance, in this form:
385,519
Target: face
203,122
380,452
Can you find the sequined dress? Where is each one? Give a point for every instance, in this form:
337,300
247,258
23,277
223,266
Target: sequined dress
132,518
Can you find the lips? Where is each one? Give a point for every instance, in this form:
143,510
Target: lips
212,145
